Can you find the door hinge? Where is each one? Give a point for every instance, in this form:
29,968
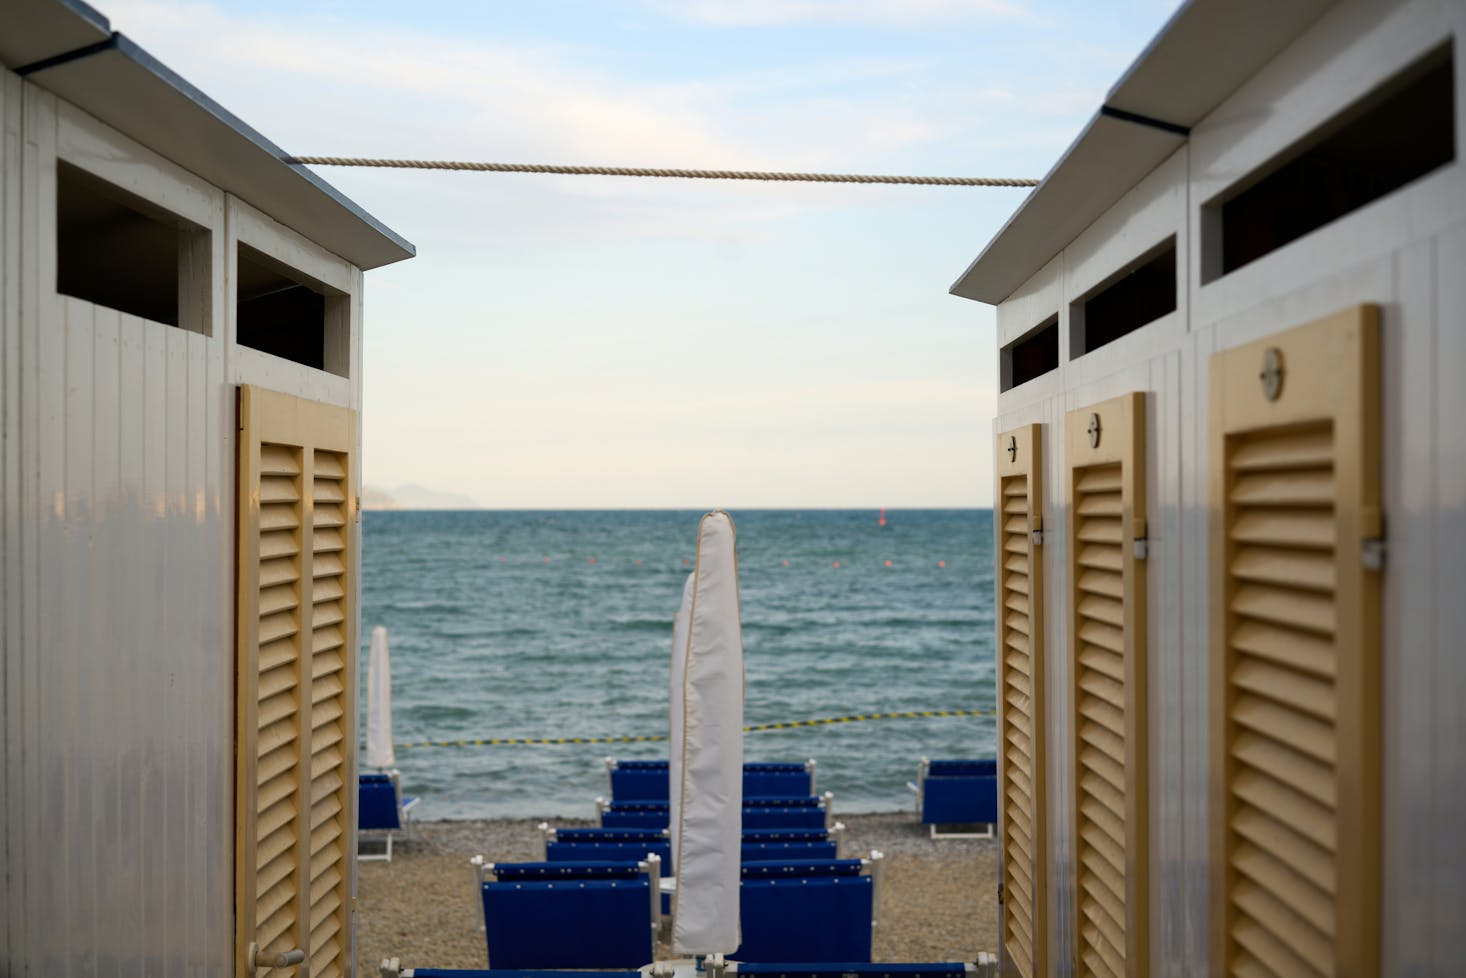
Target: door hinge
1138,532
1373,548
1036,531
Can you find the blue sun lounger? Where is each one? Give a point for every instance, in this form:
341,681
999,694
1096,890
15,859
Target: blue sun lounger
380,807
957,793
810,811
648,780
602,914
986,966
392,968
823,910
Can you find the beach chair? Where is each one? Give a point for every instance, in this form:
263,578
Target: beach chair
380,807
986,966
392,968
648,780
824,910
549,915
593,844
810,811
957,793
786,851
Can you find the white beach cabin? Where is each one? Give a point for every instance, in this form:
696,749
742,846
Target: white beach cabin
180,376
1231,507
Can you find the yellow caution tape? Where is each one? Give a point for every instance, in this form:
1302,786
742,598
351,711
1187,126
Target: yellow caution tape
647,738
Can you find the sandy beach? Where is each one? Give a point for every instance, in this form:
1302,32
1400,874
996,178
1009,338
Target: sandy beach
939,901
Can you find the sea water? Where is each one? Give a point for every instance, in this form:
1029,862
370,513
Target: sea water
547,625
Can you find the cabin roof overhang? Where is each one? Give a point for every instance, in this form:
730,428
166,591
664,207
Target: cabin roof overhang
1202,55
68,48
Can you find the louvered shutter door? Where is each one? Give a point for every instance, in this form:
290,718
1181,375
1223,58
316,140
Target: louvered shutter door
1021,720
1105,455
1295,649
295,680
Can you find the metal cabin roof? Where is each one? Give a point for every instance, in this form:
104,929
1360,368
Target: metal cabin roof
68,48
1202,55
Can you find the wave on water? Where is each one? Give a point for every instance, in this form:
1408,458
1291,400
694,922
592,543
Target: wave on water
520,648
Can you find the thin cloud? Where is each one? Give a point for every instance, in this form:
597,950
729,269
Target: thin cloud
827,13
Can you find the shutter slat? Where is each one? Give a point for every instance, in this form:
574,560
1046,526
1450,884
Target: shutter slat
1102,659
1292,689
1297,650
1303,856
1307,901
1310,570
1309,448
1280,920
1282,802
1106,582
1269,951
330,465
1283,528
1106,610
1274,720
279,460
1311,487
1103,556
1111,718
1284,606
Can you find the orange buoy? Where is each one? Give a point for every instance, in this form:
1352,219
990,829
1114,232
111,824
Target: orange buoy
941,563
592,560
888,563
883,516
837,565
786,563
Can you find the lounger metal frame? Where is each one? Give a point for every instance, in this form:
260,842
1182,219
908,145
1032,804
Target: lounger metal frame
404,817
918,788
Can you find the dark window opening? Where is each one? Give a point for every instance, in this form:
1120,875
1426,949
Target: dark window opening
1142,294
1033,355
116,249
279,313
1401,132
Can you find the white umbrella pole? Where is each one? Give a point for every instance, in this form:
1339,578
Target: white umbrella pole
709,792
379,753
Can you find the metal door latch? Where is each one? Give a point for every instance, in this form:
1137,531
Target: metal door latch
1372,554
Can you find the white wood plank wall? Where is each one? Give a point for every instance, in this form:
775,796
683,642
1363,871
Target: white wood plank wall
1404,252
117,574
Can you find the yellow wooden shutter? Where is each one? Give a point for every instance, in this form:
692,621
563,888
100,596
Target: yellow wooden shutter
1295,647
1105,453
1020,674
296,713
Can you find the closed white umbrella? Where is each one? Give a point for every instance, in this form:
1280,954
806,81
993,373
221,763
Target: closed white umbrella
706,728
379,752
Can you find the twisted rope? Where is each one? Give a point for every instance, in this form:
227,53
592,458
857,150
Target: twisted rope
638,171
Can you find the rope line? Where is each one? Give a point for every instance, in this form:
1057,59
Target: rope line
652,738
639,171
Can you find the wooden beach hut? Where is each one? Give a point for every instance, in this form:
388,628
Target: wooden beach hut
180,380
1231,506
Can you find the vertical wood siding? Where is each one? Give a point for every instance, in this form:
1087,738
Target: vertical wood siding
117,612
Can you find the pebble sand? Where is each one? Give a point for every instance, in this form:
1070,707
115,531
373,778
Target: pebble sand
939,901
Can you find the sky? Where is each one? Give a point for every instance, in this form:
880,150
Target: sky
601,342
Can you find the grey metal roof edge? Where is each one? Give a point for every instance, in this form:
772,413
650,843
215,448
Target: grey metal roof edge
87,12
135,53
1180,29
962,280
1157,40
